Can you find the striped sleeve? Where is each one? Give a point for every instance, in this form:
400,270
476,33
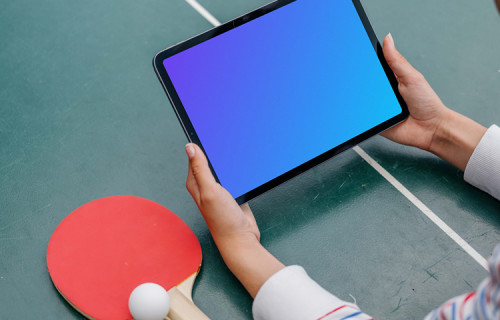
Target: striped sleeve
482,171
291,294
480,305
345,312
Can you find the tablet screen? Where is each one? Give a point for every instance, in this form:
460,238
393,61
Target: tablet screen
276,92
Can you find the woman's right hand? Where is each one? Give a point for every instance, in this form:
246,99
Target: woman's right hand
426,109
431,125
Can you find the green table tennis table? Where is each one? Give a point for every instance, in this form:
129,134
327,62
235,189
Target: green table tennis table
83,116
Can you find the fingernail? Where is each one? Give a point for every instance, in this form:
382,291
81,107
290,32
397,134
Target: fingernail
390,38
190,150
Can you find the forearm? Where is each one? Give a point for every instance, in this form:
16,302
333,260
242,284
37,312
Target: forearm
249,261
456,138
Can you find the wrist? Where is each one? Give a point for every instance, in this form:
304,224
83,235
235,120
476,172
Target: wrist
249,261
455,138
443,133
235,248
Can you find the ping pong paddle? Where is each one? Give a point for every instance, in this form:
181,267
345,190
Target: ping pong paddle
104,249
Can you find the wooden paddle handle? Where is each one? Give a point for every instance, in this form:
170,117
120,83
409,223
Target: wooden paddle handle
183,308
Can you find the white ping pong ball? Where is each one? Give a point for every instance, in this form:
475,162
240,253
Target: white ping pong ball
149,301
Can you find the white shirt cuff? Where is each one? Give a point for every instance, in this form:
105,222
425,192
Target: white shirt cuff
483,168
291,294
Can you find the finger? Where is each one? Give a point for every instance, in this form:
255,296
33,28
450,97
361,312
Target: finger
250,218
402,133
403,70
199,167
246,209
192,186
248,213
392,133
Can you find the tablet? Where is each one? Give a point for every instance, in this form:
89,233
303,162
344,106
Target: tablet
280,89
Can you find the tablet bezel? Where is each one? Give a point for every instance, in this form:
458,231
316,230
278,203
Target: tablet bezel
188,126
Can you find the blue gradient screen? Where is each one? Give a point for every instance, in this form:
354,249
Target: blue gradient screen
281,90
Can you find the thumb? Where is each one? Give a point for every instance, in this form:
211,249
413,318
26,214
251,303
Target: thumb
199,167
403,70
